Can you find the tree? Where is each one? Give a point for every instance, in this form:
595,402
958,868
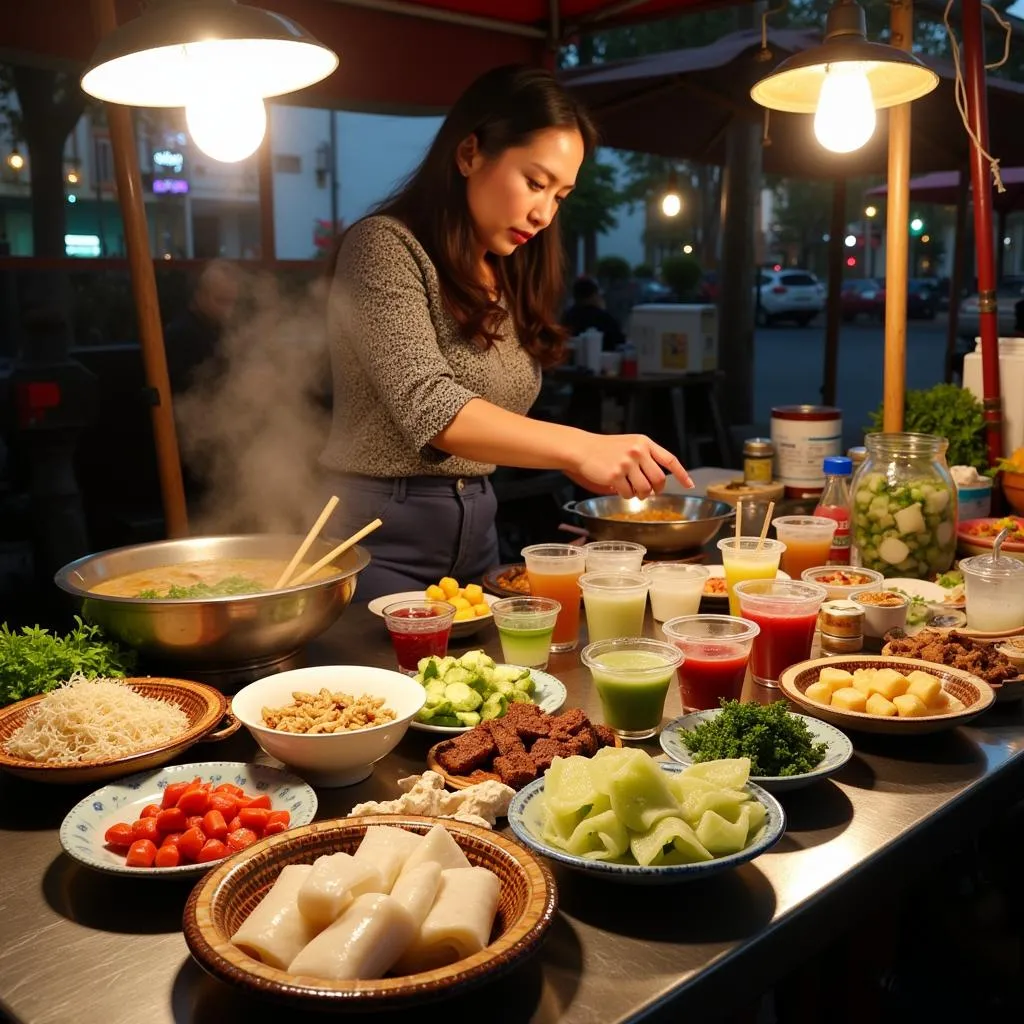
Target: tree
590,210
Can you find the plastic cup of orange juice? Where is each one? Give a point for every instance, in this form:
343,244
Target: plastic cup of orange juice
808,540
554,571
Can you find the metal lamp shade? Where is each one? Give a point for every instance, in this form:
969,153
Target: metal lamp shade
154,60
893,75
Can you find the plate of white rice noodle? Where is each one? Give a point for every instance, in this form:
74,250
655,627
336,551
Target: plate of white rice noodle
86,730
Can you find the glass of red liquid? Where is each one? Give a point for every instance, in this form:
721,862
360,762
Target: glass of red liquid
787,612
418,629
716,649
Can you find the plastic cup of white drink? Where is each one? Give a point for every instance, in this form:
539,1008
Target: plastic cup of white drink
615,603
676,589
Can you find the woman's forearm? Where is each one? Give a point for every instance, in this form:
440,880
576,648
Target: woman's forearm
483,432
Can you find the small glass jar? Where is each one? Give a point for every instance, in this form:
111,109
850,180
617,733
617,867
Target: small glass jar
841,619
841,644
904,507
993,592
758,460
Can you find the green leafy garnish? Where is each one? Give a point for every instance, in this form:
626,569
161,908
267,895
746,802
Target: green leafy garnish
230,586
950,580
34,660
776,742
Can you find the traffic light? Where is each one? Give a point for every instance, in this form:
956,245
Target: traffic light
916,226
851,261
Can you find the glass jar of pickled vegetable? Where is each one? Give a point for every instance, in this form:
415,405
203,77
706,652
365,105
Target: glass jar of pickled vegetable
903,515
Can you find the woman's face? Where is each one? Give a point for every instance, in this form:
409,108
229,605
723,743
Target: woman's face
516,194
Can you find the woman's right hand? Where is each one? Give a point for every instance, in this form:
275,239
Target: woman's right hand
630,465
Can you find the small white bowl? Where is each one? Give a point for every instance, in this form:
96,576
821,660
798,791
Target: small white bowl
331,759
879,618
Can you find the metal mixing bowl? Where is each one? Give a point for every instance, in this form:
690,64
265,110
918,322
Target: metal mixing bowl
215,632
699,521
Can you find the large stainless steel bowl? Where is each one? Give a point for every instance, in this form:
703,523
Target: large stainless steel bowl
699,520
218,632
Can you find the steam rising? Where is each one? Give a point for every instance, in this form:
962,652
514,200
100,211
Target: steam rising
254,422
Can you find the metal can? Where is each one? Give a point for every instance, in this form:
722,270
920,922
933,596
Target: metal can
803,435
841,618
841,644
758,460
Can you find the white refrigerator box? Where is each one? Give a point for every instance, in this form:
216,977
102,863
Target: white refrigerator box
672,338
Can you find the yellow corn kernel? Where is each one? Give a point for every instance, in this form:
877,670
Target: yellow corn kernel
879,705
480,610
910,706
449,586
435,593
849,699
819,692
474,593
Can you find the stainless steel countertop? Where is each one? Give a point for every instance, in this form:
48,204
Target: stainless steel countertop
97,949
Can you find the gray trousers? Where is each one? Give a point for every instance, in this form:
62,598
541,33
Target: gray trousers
433,527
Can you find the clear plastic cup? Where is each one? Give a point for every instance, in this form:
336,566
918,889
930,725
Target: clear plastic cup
610,555
716,652
418,630
676,589
632,676
615,603
994,592
786,612
748,558
554,571
808,541
525,625
843,581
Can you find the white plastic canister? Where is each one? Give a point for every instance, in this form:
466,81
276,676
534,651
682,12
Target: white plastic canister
803,435
1011,384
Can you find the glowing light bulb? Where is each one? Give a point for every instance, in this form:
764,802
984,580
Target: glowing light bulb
845,118
227,125
16,161
671,204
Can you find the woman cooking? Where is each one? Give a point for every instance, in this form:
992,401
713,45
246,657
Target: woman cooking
443,312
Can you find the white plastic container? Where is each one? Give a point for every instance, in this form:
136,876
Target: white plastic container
803,436
672,338
1011,383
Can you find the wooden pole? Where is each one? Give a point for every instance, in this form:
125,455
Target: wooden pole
265,168
901,26
836,247
981,184
143,280
956,280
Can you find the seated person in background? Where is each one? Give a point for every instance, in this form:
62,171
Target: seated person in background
193,336
587,311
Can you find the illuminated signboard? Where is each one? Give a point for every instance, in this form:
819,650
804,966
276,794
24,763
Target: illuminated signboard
170,186
168,160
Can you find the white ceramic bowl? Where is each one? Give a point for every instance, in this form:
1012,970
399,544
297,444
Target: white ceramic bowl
332,759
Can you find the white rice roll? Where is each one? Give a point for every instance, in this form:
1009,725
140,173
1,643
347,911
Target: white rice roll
277,930
336,880
438,846
371,934
387,848
416,889
459,923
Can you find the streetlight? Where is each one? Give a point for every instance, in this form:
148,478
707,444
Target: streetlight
870,211
15,160
216,58
851,241
844,81
671,201
916,226
688,249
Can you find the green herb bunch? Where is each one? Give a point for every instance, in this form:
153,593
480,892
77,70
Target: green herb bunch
34,660
776,742
230,586
948,411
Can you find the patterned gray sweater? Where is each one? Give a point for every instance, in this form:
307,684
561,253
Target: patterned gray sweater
401,371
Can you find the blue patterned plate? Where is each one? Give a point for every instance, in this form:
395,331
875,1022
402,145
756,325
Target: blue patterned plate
838,751
82,831
525,815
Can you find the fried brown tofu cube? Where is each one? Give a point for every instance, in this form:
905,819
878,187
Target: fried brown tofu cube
515,770
587,742
605,736
471,750
568,723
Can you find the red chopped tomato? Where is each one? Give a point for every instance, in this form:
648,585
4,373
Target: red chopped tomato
173,793
194,821
150,811
260,801
146,828
195,801
167,857
255,818
172,820
191,843
171,839
119,835
284,816
240,838
230,788
213,849
225,803
273,827
214,825
141,854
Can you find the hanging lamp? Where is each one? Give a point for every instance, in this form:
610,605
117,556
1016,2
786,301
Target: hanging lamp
844,80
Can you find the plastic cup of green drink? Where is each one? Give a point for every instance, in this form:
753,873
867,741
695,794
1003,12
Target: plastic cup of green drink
632,677
525,626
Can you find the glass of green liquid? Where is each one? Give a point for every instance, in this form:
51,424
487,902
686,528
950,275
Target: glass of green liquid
525,625
615,603
632,676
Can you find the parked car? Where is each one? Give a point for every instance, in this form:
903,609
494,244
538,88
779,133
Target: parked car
865,296
1008,294
922,298
788,294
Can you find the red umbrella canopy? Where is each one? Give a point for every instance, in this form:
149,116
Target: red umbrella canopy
412,56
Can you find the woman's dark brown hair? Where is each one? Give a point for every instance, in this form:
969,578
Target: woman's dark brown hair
503,108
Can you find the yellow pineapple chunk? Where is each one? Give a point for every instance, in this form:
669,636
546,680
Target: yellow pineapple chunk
449,586
889,683
910,706
849,699
819,692
834,679
462,614
480,610
474,593
862,680
927,687
435,593
879,705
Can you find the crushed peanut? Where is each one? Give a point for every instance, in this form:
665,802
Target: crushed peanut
327,712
